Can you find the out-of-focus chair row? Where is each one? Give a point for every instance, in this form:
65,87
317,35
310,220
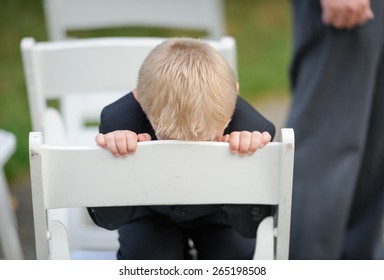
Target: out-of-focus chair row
9,236
63,16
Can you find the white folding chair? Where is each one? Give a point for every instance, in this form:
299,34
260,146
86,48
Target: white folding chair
73,15
9,235
193,173
85,75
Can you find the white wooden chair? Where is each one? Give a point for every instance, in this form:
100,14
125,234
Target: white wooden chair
9,235
73,15
193,173
84,75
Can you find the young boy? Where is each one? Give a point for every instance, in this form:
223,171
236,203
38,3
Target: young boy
185,91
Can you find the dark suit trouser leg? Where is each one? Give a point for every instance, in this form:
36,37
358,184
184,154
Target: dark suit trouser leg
156,237
152,238
334,81
364,229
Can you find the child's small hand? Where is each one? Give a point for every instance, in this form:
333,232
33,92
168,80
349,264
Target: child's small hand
121,142
246,142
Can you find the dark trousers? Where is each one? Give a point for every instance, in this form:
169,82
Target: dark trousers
157,237
338,116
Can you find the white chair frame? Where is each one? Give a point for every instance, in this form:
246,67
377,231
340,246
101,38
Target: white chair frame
184,172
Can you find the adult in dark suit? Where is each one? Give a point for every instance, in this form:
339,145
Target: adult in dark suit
337,112
162,232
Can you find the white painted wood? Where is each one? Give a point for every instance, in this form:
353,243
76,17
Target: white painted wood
181,173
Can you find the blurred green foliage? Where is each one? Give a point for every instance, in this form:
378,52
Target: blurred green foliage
262,29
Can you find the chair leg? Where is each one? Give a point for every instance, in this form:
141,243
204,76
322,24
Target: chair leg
265,240
9,235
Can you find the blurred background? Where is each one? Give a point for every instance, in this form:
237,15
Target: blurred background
262,29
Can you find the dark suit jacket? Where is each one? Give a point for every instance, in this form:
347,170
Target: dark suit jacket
126,114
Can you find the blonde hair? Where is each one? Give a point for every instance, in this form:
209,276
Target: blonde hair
187,90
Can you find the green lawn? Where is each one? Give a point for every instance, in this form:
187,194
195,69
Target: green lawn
262,29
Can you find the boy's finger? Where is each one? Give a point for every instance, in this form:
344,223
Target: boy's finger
121,143
265,139
110,144
224,138
255,142
131,141
142,137
234,142
245,142
100,140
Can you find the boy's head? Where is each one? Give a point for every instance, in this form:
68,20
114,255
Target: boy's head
187,90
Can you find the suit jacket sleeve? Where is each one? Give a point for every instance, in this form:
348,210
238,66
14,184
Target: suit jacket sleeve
247,118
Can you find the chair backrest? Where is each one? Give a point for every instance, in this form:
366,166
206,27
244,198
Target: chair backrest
73,15
184,172
84,75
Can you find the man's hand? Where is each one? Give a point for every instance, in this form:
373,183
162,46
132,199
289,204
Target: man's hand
246,142
346,14
121,142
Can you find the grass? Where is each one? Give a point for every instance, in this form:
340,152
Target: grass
262,30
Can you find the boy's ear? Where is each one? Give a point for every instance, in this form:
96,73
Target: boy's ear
237,87
134,92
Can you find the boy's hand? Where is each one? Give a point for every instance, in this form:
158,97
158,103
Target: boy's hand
246,142
121,142
124,142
